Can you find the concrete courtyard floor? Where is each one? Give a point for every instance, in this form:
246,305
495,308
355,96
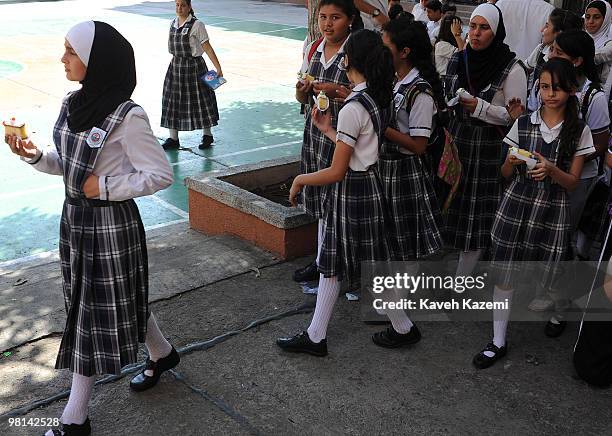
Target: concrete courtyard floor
222,302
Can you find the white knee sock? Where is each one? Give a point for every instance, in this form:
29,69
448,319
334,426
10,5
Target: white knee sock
75,411
320,235
329,289
467,262
500,317
156,343
206,131
173,134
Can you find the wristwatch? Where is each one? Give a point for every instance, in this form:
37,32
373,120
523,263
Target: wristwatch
375,13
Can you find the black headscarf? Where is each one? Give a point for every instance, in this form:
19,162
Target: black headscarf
110,79
486,65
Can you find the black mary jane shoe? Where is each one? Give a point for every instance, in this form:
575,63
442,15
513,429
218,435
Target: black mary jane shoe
171,144
307,274
301,343
554,330
142,382
482,361
207,142
389,338
73,429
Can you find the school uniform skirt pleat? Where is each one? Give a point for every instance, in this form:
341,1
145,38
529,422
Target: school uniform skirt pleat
531,232
187,103
354,217
468,221
413,207
105,276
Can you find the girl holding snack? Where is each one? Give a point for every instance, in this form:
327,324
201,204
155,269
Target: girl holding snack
187,103
532,222
108,155
408,190
493,77
355,213
322,71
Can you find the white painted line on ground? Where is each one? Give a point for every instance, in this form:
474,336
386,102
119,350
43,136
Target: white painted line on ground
280,30
170,207
251,150
31,191
53,255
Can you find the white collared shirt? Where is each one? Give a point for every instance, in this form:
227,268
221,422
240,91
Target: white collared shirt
433,29
585,145
420,121
321,49
368,20
130,164
355,128
198,35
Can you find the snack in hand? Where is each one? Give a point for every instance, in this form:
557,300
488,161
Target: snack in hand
302,77
13,127
464,94
322,101
525,156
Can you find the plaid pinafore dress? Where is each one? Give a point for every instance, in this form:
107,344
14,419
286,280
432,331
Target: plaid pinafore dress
187,103
318,149
356,214
532,228
103,255
468,221
409,193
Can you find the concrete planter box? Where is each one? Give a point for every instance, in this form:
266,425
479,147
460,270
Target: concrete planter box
222,203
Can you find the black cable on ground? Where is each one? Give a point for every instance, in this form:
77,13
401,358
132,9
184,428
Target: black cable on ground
188,349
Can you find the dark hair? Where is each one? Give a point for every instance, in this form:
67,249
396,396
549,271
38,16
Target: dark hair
190,8
395,10
349,9
434,5
597,4
449,8
563,75
563,20
368,55
446,34
414,36
578,43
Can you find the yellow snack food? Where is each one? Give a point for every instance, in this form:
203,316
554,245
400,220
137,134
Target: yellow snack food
305,76
523,152
12,127
322,101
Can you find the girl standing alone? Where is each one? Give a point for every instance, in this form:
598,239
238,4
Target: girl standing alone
187,103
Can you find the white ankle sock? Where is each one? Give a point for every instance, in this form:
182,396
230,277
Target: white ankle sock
500,317
156,343
467,262
206,131
329,289
75,411
173,134
399,320
320,235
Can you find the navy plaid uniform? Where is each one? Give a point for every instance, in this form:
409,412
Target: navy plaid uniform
532,222
318,149
103,256
355,215
187,103
468,221
409,193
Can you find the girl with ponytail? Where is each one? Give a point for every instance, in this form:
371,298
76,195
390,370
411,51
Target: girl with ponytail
408,189
532,222
355,214
322,62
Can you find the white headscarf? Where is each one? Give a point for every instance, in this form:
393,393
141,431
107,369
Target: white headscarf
81,37
601,37
489,13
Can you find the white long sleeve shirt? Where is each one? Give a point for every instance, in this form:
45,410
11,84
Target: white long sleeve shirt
130,164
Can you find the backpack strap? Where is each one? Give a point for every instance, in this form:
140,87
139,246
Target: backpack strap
313,48
586,101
